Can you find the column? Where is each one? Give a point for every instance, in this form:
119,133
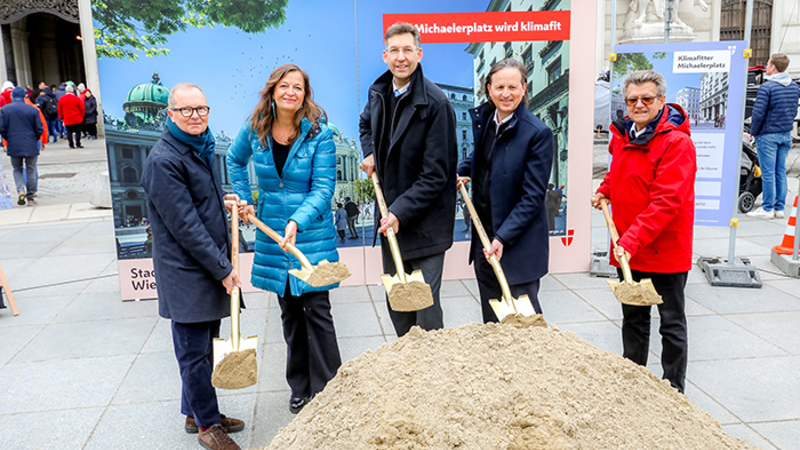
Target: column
22,60
3,67
90,59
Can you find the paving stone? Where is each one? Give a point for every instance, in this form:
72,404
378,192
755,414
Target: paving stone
274,331
718,247
789,285
12,267
603,335
351,348
780,328
385,321
754,389
459,311
472,286
756,227
730,300
160,339
14,339
103,306
60,269
64,429
61,384
715,337
22,250
152,377
123,426
251,323
603,300
52,232
272,368
453,288
580,280
350,294
88,339
102,285
259,300
355,319
548,283
709,405
271,414
566,307
743,431
34,310
68,289
701,232
785,435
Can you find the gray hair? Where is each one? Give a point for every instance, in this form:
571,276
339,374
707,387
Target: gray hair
640,77
180,87
402,28
69,89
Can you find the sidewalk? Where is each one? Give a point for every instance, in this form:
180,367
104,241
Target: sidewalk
82,370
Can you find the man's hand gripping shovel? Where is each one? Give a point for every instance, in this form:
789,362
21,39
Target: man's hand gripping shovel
235,362
629,292
508,306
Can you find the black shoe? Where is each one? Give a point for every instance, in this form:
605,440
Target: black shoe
296,404
21,201
80,146
71,146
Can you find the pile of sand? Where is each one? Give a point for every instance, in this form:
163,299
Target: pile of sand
499,387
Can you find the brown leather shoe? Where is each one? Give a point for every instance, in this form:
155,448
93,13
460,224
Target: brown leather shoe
215,438
229,425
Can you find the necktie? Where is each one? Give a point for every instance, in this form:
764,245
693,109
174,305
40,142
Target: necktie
397,92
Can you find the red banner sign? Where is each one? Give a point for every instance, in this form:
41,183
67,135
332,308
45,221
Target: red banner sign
448,28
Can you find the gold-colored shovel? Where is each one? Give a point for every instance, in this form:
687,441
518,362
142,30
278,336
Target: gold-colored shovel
406,292
235,363
629,292
323,274
508,305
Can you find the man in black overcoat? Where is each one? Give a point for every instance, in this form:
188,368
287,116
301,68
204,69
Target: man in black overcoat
408,135
191,247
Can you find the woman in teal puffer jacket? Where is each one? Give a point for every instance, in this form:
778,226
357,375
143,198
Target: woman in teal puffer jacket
295,163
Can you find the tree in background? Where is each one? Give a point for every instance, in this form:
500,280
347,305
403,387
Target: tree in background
630,62
125,27
365,191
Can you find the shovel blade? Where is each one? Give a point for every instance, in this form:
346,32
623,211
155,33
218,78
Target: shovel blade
524,306
301,273
222,347
502,309
641,293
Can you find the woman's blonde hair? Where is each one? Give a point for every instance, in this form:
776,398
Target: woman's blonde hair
263,115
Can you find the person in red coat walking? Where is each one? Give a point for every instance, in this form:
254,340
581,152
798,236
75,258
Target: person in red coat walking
71,110
651,189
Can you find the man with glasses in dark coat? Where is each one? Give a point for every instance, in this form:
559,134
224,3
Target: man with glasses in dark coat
191,248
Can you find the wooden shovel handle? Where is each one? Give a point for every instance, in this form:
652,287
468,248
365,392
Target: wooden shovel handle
393,245
612,229
278,238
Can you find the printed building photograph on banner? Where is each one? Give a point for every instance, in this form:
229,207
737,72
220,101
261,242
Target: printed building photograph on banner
458,58
231,63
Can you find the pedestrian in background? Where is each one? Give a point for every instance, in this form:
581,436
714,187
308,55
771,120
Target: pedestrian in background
352,215
650,185
71,110
90,115
48,104
341,221
22,128
773,118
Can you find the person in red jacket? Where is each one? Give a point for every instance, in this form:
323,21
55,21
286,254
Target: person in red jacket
71,110
651,189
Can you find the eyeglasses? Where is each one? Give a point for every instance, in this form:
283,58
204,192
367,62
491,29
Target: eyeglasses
187,111
646,101
408,51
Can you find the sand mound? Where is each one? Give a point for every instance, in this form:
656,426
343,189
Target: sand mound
499,387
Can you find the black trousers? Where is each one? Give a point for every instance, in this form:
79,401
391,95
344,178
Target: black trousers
430,318
673,329
194,350
489,286
74,130
313,354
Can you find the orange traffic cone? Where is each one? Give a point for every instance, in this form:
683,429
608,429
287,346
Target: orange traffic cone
787,246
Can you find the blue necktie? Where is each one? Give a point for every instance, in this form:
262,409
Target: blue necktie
397,92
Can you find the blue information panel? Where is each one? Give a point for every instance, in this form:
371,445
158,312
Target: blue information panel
707,80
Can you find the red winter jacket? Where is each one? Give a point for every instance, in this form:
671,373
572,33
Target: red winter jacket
71,109
651,189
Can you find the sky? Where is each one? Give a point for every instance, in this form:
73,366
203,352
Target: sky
318,35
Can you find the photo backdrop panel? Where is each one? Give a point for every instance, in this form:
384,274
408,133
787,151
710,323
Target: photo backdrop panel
707,80
231,62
